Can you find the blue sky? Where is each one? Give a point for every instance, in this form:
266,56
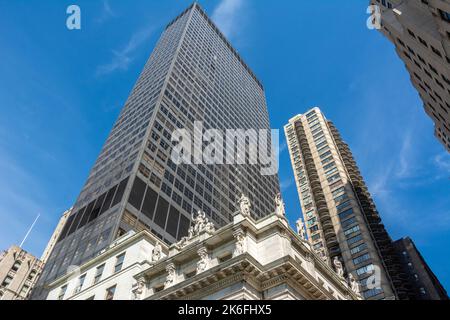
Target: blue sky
61,91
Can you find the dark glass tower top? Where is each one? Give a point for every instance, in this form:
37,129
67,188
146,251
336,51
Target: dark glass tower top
193,74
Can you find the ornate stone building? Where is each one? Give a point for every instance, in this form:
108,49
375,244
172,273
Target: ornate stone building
19,271
245,259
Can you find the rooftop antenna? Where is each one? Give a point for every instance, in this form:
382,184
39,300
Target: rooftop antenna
29,230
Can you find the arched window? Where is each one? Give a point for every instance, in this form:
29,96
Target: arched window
16,266
32,274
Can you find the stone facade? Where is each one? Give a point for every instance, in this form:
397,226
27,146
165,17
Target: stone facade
246,259
420,32
19,271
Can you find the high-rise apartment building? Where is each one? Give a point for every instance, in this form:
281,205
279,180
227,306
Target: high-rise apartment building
340,216
19,271
193,74
423,284
420,31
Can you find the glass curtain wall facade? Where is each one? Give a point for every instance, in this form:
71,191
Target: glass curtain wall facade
193,74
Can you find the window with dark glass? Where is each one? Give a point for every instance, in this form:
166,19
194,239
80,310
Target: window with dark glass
119,262
110,293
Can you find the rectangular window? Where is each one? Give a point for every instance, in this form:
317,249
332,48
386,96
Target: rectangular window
354,239
80,283
119,262
341,198
351,230
98,273
324,155
110,293
338,191
342,206
320,139
334,178
345,214
320,145
372,292
329,166
363,270
7,281
348,222
323,149
311,222
325,161
24,291
317,246
358,249
361,259
315,237
62,292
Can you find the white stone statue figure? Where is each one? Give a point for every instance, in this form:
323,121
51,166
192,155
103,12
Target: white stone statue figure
280,208
210,228
301,229
240,244
138,289
338,267
191,232
244,206
183,242
170,278
199,222
156,252
202,265
355,285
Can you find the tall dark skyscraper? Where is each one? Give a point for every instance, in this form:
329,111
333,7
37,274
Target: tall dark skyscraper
423,283
194,74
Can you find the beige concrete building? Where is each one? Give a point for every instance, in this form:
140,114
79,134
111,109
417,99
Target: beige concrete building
246,259
19,271
55,236
342,223
420,31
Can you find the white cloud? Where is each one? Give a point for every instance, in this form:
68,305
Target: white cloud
286,184
442,162
124,57
106,12
225,16
404,166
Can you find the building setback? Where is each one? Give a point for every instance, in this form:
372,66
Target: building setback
55,236
19,272
420,31
193,74
339,213
424,285
244,260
